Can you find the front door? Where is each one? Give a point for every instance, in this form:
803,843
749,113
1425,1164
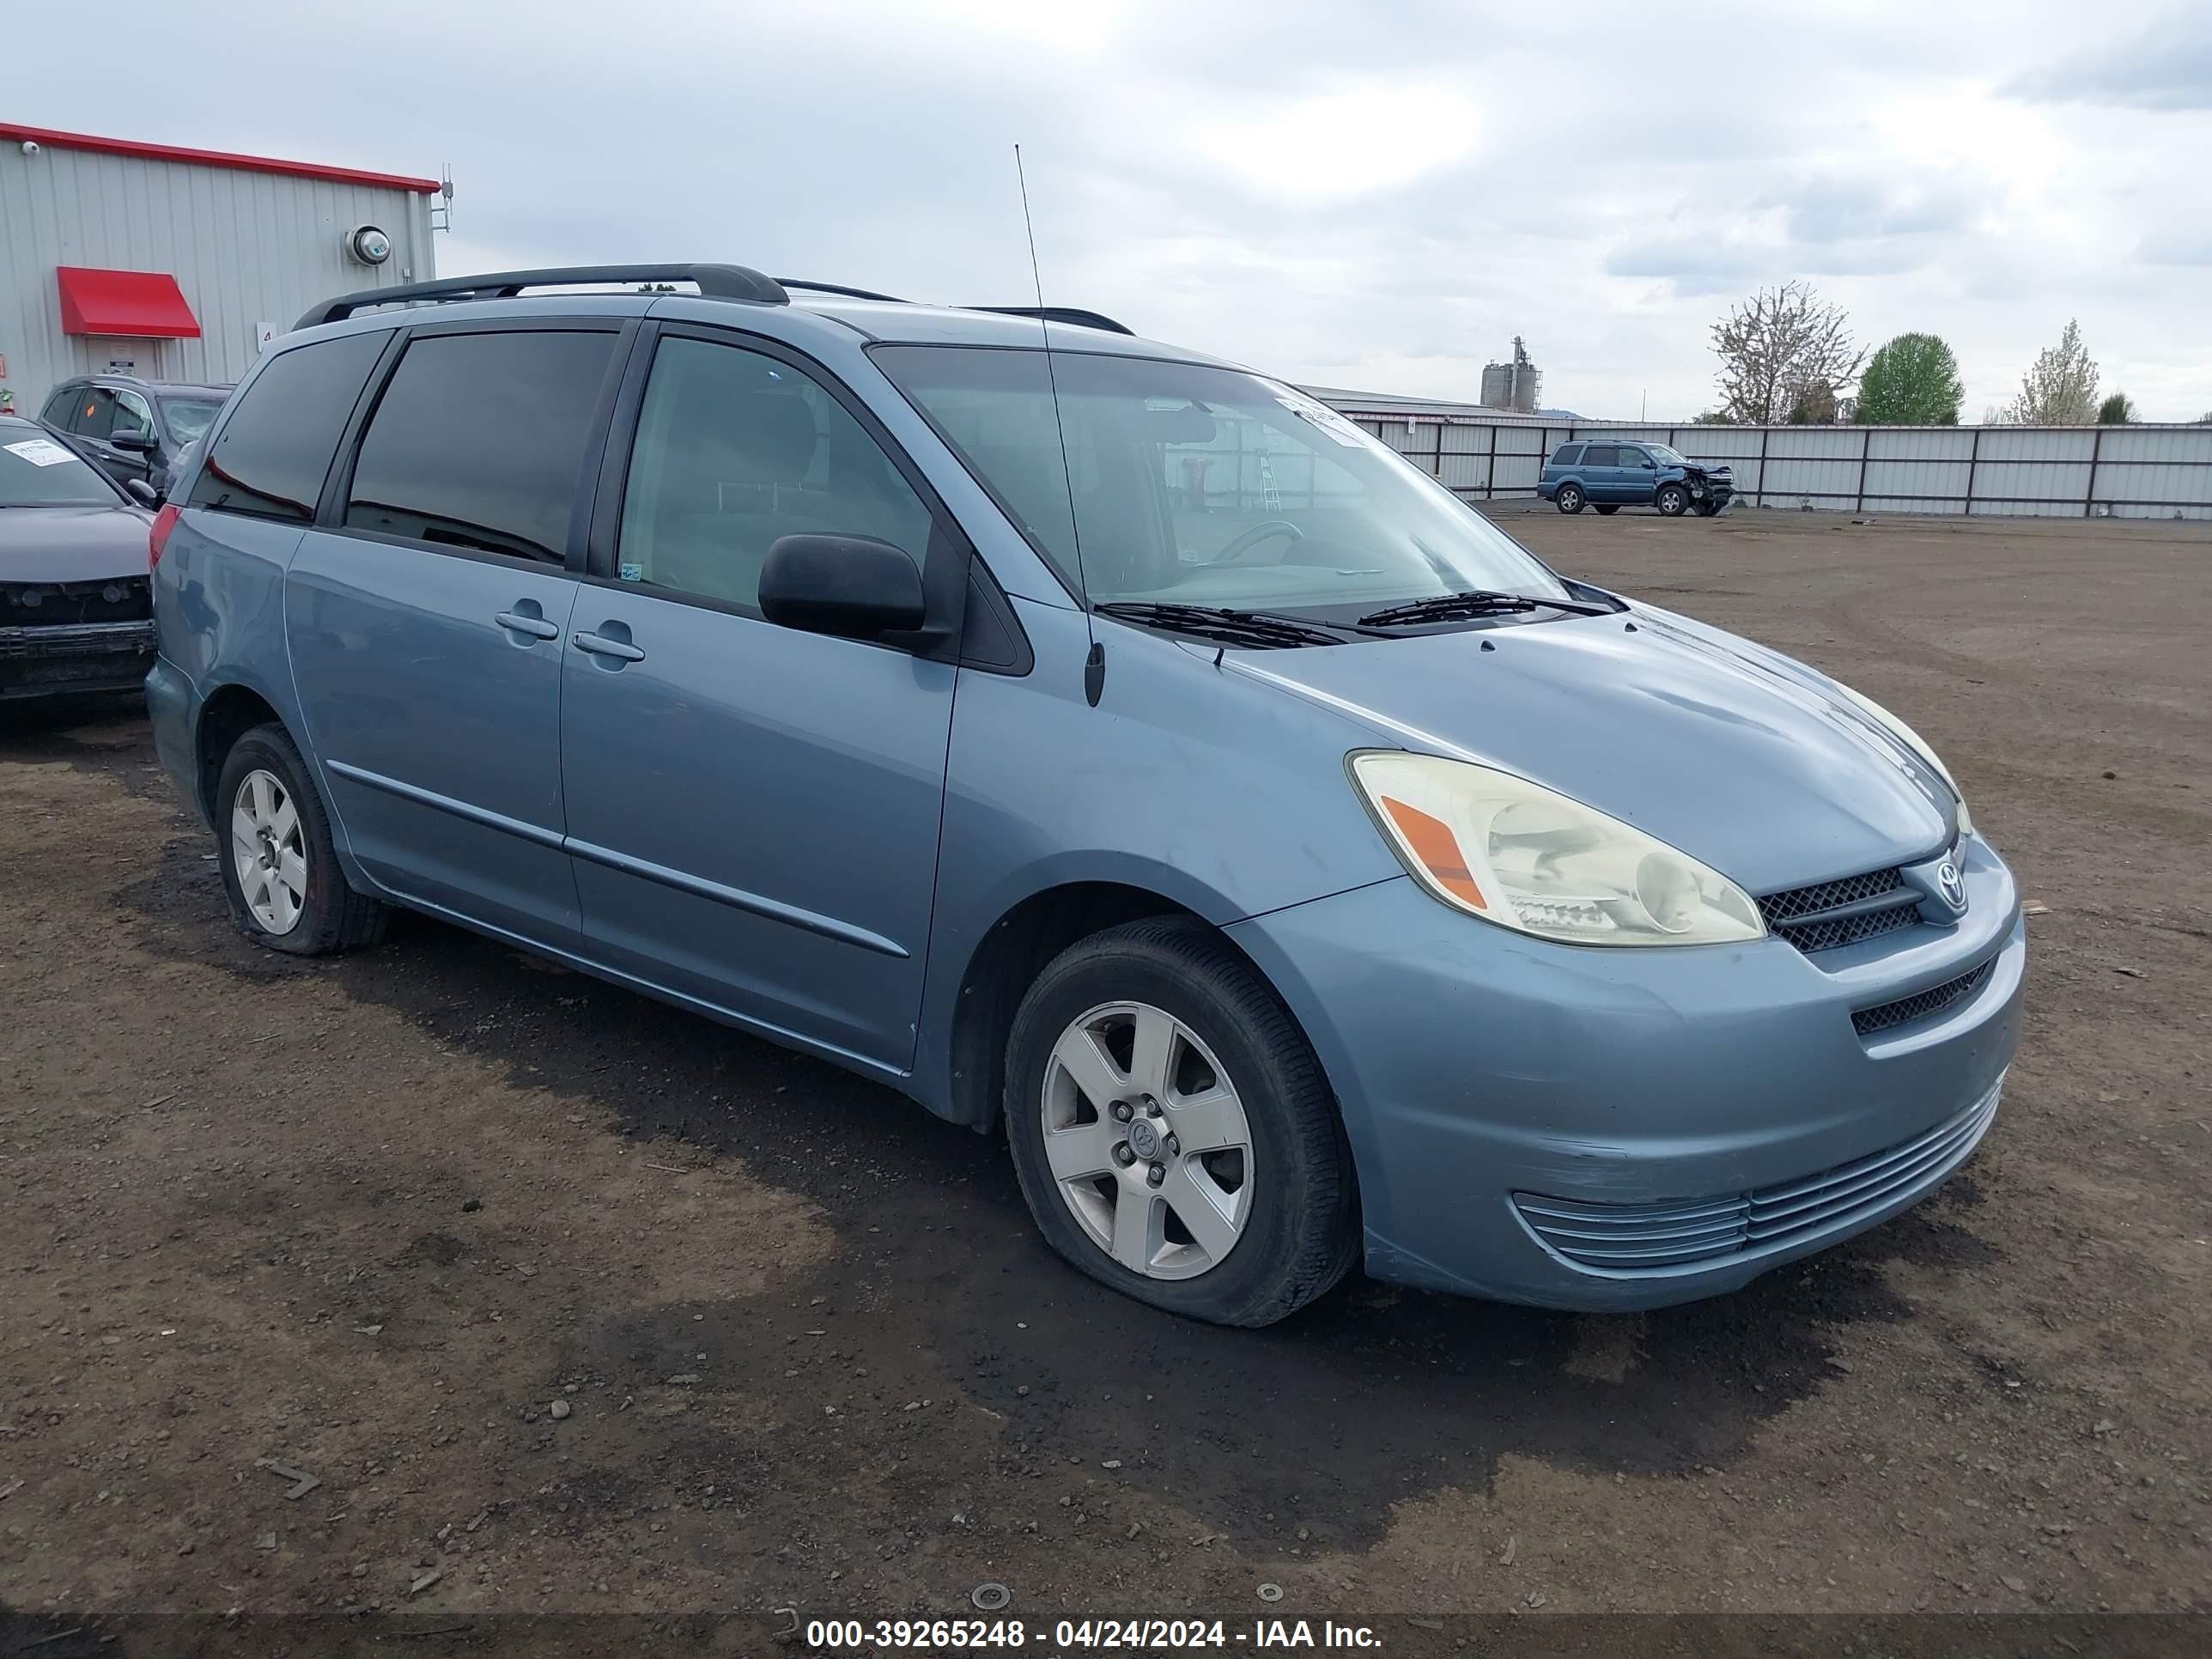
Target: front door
1640,477
753,810
427,624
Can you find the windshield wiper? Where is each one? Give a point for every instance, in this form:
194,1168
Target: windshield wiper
1232,627
1448,607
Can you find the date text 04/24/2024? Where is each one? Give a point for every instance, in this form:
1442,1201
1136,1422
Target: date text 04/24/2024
1081,1635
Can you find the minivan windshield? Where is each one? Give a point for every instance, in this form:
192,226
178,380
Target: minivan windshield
36,471
1194,484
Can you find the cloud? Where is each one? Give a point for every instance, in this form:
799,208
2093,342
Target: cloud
1380,195
2191,245
1841,208
2167,67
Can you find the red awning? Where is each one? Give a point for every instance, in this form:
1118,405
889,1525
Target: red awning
141,304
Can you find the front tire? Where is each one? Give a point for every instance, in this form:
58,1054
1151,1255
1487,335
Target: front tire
1570,498
279,871
1172,1132
1673,501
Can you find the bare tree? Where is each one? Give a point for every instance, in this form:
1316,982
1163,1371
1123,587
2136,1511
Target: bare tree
1777,345
2061,389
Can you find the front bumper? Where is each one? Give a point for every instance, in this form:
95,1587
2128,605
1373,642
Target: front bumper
1513,1105
69,659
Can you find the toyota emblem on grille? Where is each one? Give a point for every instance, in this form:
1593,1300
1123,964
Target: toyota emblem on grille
1951,884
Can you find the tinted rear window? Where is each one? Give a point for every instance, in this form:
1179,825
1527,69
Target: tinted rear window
1569,455
275,449
479,441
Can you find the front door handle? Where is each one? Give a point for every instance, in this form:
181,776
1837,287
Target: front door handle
600,646
525,622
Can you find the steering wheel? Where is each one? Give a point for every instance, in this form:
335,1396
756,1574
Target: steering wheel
1258,533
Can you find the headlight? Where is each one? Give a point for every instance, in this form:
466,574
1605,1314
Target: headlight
1912,740
1513,852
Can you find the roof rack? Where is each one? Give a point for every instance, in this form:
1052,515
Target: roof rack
717,282
800,282
714,281
1079,317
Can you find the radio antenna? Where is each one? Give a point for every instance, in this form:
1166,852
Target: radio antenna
1094,661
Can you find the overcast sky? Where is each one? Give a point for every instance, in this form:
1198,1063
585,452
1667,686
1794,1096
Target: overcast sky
1375,195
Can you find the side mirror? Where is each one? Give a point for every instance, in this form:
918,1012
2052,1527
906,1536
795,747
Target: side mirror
145,443
854,587
142,492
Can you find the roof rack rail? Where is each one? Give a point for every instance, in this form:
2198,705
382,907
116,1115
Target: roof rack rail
716,281
801,283
1079,317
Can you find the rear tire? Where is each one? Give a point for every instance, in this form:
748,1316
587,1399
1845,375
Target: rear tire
1570,498
1608,511
280,869
1672,500
1284,1224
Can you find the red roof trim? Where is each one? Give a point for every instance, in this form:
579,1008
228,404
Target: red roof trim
216,158
139,305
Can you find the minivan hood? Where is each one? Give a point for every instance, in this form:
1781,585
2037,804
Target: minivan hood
1733,753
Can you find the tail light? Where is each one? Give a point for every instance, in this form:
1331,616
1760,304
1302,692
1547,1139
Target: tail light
158,537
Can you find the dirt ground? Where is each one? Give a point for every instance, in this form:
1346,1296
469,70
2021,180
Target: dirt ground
569,1302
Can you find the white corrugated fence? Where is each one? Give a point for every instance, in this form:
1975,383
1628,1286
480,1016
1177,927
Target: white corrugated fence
2117,471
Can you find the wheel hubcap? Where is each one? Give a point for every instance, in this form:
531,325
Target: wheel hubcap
1147,1140
269,851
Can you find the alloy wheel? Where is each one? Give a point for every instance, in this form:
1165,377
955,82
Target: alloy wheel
1147,1140
268,849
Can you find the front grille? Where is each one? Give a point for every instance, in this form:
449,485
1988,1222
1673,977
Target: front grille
1830,913
1652,1239
1889,1015
42,604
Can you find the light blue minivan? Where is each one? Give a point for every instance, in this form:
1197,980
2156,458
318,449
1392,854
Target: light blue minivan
1099,740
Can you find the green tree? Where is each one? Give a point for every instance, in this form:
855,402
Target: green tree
2119,409
2061,389
1913,380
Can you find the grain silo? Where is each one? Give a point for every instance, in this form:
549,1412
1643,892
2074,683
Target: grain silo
1515,386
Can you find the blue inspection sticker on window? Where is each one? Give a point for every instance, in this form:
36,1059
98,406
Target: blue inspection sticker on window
631,572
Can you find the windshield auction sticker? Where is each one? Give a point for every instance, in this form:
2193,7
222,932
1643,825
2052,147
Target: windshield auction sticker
40,452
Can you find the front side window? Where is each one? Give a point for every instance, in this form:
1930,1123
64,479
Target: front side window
132,417
1636,458
277,446
1194,484
478,442
736,449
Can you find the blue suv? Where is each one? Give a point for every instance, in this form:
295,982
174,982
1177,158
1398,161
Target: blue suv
1110,748
1611,475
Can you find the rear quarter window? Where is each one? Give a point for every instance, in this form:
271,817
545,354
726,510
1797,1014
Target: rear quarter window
1569,455
272,455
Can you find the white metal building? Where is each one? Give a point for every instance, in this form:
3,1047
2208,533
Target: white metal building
176,264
